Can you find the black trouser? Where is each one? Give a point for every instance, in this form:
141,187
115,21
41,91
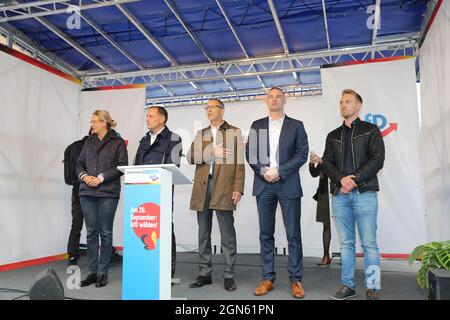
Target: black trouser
73,246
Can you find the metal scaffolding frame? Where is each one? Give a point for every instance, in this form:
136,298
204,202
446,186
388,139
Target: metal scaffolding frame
325,20
279,64
273,10
297,62
50,7
227,96
73,43
376,23
233,30
193,74
111,41
177,14
153,41
15,36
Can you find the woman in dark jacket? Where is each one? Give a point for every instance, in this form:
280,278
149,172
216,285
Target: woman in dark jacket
323,205
97,171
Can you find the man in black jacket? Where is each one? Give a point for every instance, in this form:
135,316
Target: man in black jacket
77,214
160,146
354,154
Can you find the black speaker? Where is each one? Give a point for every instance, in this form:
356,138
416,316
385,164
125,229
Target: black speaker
47,286
439,281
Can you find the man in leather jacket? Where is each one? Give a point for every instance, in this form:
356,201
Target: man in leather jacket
354,154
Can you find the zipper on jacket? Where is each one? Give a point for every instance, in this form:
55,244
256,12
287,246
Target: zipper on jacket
362,135
342,155
353,154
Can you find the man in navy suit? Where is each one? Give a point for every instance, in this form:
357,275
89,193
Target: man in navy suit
277,147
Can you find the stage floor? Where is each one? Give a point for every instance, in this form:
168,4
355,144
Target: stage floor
398,280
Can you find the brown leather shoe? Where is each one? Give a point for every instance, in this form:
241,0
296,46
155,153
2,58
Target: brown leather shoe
297,290
264,287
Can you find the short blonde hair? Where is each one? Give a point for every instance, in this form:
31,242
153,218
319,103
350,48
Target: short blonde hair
353,93
106,117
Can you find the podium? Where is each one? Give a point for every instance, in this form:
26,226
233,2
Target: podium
147,237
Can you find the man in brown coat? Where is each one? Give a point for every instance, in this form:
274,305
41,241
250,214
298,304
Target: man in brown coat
218,153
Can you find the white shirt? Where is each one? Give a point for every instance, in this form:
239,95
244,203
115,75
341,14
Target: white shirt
213,134
274,138
153,136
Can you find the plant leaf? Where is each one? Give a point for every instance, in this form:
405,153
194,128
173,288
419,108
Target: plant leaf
443,258
417,254
434,255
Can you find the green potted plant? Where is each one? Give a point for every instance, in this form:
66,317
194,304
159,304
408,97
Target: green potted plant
434,255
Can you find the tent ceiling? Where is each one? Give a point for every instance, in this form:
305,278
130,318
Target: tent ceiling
190,48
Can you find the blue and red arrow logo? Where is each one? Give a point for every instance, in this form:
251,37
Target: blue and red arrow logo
382,123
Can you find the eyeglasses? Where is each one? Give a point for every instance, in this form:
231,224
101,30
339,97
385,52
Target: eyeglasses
214,106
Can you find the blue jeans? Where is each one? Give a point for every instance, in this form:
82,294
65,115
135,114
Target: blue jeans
99,217
359,208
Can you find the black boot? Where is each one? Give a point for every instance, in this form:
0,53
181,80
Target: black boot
200,282
90,279
102,280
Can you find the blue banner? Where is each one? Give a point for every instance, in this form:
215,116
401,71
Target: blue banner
141,263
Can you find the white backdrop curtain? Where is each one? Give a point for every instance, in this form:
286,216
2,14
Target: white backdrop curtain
39,117
435,135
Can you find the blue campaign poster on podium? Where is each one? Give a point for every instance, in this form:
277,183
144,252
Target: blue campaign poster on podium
147,235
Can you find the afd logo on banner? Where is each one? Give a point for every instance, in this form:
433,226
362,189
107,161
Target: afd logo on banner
381,121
